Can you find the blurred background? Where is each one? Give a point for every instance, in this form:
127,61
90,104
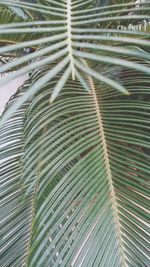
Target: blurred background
8,90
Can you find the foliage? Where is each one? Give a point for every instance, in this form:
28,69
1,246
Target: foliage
75,142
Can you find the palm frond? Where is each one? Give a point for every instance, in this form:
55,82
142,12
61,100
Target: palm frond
67,22
75,171
15,213
87,173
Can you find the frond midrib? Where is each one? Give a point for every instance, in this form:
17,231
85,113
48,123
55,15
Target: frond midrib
108,169
69,35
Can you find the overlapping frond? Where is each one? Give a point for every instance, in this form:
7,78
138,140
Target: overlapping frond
85,172
15,212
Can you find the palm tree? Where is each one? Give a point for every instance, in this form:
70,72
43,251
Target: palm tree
74,183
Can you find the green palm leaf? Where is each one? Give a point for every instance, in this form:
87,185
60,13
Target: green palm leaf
72,19
15,214
86,174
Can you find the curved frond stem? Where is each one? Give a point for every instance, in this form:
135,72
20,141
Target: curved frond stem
107,164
